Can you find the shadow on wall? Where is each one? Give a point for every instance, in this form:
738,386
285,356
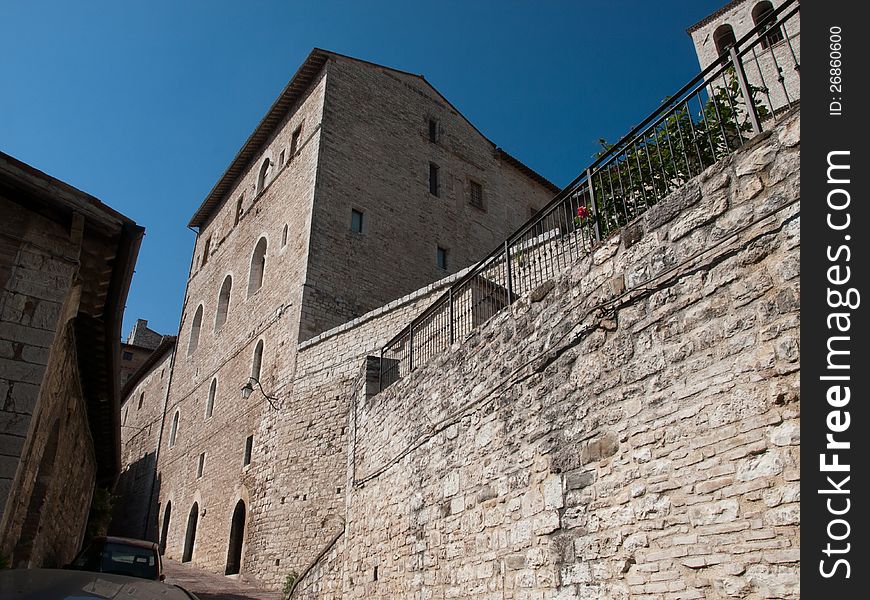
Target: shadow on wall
134,506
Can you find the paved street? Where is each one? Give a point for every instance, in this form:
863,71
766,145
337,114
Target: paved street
208,586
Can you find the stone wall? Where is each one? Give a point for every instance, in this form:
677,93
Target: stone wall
633,433
136,493
47,465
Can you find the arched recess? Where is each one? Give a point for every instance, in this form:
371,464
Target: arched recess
223,305
190,535
164,530
724,38
173,429
770,34
194,331
257,361
258,267
237,539
209,405
23,550
264,172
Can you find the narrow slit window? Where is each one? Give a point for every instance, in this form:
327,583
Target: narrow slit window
194,331
223,305
441,258
433,130
433,179
356,221
205,251
239,210
200,466
173,431
209,406
294,141
249,447
257,362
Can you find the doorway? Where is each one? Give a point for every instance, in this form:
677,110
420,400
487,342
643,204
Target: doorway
190,536
164,530
237,538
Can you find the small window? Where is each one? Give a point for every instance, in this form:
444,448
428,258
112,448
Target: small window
281,160
223,305
194,331
127,356
284,236
141,400
258,267
205,250
124,422
200,466
770,33
249,446
173,431
294,141
263,175
476,195
433,179
257,362
724,38
209,405
433,130
240,209
441,258
356,221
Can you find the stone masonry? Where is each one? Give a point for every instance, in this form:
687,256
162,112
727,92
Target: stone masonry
632,432
344,136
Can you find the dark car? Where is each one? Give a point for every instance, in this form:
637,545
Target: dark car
120,556
57,584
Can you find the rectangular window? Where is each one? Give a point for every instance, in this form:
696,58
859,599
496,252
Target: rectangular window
356,221
207,248
239,210
441,258
127,356
281,162
249,446
294,141
200,466
433,179
433,130
476,195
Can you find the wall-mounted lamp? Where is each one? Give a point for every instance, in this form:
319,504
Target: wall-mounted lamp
248,389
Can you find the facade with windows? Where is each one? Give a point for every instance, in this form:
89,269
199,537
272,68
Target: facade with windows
361,185
770,66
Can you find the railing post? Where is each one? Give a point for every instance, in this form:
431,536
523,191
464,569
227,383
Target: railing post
744,89
410,347
507,262
595,224
450,301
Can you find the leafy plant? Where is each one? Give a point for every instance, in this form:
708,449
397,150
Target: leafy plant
291,578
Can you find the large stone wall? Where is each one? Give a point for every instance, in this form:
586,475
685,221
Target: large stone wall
47,464
137,492
634,433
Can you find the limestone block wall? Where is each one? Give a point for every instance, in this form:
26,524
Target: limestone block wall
297,479
47,466
634,433
376,153
225,354
137,493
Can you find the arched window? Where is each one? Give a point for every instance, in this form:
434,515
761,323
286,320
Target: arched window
258,267
223,305
769,34
173,431
209,405
264,171
724,38
257,362
141,400
284,236
194,331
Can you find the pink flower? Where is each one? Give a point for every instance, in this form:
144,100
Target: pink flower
582,212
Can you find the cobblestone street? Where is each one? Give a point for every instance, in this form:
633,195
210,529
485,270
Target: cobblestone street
209,586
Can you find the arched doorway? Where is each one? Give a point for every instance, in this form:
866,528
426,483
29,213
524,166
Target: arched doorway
164,530
21,554
237,538
190,536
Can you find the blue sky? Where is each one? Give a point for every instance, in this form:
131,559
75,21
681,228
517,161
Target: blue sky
144,104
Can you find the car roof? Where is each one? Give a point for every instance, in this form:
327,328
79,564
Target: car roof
127,541
62,584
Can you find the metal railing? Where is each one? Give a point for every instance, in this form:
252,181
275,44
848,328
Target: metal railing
707,119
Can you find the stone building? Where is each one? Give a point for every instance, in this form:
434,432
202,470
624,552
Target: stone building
361,186
143,400
139,345
66,261
771,65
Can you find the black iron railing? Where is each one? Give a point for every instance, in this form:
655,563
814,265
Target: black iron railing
725,105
